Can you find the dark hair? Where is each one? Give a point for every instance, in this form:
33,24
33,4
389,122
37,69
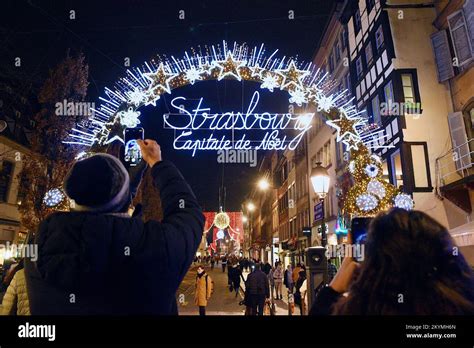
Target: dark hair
411,266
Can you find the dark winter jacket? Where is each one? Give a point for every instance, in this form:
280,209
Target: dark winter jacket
257,284
324,301
93,263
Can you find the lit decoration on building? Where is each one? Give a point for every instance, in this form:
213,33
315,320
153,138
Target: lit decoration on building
375,187
404,201
233,232
53,197
221,220
370,194
366,202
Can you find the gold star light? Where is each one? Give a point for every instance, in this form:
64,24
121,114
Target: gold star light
160,79
292,76
257,71
352,142
229,67
345,126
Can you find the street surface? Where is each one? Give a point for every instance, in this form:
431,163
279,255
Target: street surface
222,302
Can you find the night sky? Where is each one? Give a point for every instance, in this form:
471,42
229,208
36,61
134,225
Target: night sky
40,32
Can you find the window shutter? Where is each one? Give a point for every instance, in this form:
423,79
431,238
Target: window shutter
459,140
444,63
469,15
460,37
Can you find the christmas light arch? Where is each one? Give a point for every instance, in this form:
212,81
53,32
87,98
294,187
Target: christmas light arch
306,86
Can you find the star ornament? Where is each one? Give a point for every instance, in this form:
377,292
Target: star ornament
257,71
345,126
292,76
229,67
352,142
160,79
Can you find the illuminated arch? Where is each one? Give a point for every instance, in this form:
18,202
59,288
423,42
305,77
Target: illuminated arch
305,84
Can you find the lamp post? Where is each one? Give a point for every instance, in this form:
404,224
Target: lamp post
320,181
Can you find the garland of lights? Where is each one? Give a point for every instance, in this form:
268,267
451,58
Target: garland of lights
305,84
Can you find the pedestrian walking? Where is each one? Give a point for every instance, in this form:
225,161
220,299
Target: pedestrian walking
236,277
296,273
203,290
300,292
288,279
212,263
224,263
278,281
119,251
272,282
257,291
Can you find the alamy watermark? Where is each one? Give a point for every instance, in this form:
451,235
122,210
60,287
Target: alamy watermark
400,109
66,108
9,250
356,251
237,156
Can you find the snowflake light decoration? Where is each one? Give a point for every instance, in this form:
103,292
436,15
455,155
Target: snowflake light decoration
129,117
404,201
193,74
270,82
366,202
298,97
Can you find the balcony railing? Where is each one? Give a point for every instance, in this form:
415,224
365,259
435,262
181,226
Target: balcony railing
455,165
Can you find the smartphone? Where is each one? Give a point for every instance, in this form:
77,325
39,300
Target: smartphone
359,229
132,155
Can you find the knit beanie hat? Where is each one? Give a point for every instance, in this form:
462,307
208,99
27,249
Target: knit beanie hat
99,183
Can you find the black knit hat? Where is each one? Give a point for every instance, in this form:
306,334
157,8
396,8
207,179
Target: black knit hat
99,183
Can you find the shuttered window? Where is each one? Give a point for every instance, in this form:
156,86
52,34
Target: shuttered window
459,140
6,172
460,37
444,63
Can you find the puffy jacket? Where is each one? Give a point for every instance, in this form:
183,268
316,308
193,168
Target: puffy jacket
15,301
257,284
92,263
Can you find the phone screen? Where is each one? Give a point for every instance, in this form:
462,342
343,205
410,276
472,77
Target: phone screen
359,229
132,153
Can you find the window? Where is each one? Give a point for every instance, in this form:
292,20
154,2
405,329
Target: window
343,38
442,54
376,109
370,5
348,82
357,22
359,68
379,37
460,37
419,157
337,52
385,175
397,170
6,172
386,110
368,53
408,91
331,63
388,92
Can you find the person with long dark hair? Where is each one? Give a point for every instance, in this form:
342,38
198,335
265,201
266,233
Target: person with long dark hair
411,267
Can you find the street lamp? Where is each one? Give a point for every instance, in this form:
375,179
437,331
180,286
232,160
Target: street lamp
244,219
320,181
250,206
263,184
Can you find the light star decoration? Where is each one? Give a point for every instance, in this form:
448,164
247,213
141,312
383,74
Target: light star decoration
292,76
229,67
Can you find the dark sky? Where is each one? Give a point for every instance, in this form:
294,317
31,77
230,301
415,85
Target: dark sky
40,32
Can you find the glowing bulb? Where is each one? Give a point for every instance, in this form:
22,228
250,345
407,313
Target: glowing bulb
250,206
263,184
